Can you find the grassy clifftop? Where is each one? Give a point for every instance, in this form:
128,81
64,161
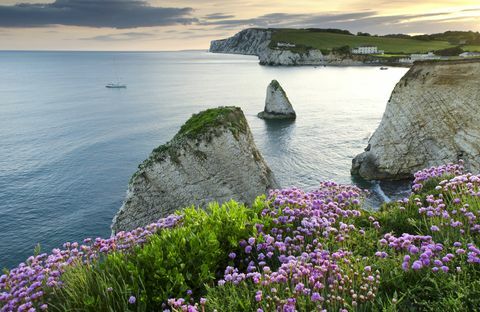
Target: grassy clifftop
327,41
207,123
229,116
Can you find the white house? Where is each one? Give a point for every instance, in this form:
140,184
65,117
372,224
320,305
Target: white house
285,45
470,54
367,50
419,57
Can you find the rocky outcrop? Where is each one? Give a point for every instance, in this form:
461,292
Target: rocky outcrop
284,57
432,118
212,158
250,41
277,104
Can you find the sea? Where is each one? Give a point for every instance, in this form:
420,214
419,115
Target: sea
68,145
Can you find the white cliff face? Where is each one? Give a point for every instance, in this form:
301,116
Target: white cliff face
277,104
432,118
249,42
219,164
274,57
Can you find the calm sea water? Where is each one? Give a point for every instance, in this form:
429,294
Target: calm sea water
68,145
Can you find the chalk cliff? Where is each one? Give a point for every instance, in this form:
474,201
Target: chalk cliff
432,118
283,57
277,104
212,158
251,41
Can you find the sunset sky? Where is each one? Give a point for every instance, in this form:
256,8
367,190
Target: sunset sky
155,25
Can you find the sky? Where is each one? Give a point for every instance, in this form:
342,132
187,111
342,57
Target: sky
158,25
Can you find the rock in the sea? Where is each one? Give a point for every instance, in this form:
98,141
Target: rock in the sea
432,118
277,104
212,158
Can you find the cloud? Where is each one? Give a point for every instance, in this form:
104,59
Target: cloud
218,16
121,37
93,13
370,21
289,20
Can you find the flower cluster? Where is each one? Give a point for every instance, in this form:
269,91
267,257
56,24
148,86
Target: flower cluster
311,251
180,305
436,172
420,252
24,287
295,261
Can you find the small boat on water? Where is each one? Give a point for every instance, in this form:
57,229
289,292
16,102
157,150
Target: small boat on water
116,86
383,68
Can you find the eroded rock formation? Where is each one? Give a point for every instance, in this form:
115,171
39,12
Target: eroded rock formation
432,118
212,158
277,104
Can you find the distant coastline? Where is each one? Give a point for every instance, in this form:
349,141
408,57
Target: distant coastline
322,47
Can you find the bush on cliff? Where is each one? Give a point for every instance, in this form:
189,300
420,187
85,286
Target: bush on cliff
171,263
294,251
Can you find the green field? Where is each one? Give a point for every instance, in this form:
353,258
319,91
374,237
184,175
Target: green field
328,41
472,48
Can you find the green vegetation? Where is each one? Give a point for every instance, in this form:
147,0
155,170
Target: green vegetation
171,263
472,48
454,51
293,251
229,117
326,40
453,37
208,122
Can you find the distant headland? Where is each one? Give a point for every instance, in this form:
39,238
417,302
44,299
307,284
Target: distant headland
315,46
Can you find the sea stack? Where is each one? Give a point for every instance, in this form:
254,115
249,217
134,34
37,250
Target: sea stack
432,118
212,158
277,104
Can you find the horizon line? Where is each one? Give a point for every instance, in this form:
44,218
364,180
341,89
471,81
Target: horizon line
123,51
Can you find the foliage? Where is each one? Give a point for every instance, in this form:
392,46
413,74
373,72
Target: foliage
292,251
454,37
454,51
229,117
172,262
343,50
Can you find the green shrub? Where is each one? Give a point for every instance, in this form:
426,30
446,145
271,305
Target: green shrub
168,265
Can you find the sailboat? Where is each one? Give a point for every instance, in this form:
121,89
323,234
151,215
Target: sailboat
116,85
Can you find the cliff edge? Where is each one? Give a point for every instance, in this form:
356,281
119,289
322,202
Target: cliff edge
251,41
212,158
432,118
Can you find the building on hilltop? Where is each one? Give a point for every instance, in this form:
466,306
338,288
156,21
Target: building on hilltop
419,57
285,45
367,50
470,54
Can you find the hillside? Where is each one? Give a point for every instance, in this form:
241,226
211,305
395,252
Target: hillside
322,47
327,40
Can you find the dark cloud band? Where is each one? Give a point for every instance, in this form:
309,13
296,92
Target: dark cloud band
93,13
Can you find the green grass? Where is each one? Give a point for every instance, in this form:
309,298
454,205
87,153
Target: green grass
471,48
229,117
328,41
208,122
